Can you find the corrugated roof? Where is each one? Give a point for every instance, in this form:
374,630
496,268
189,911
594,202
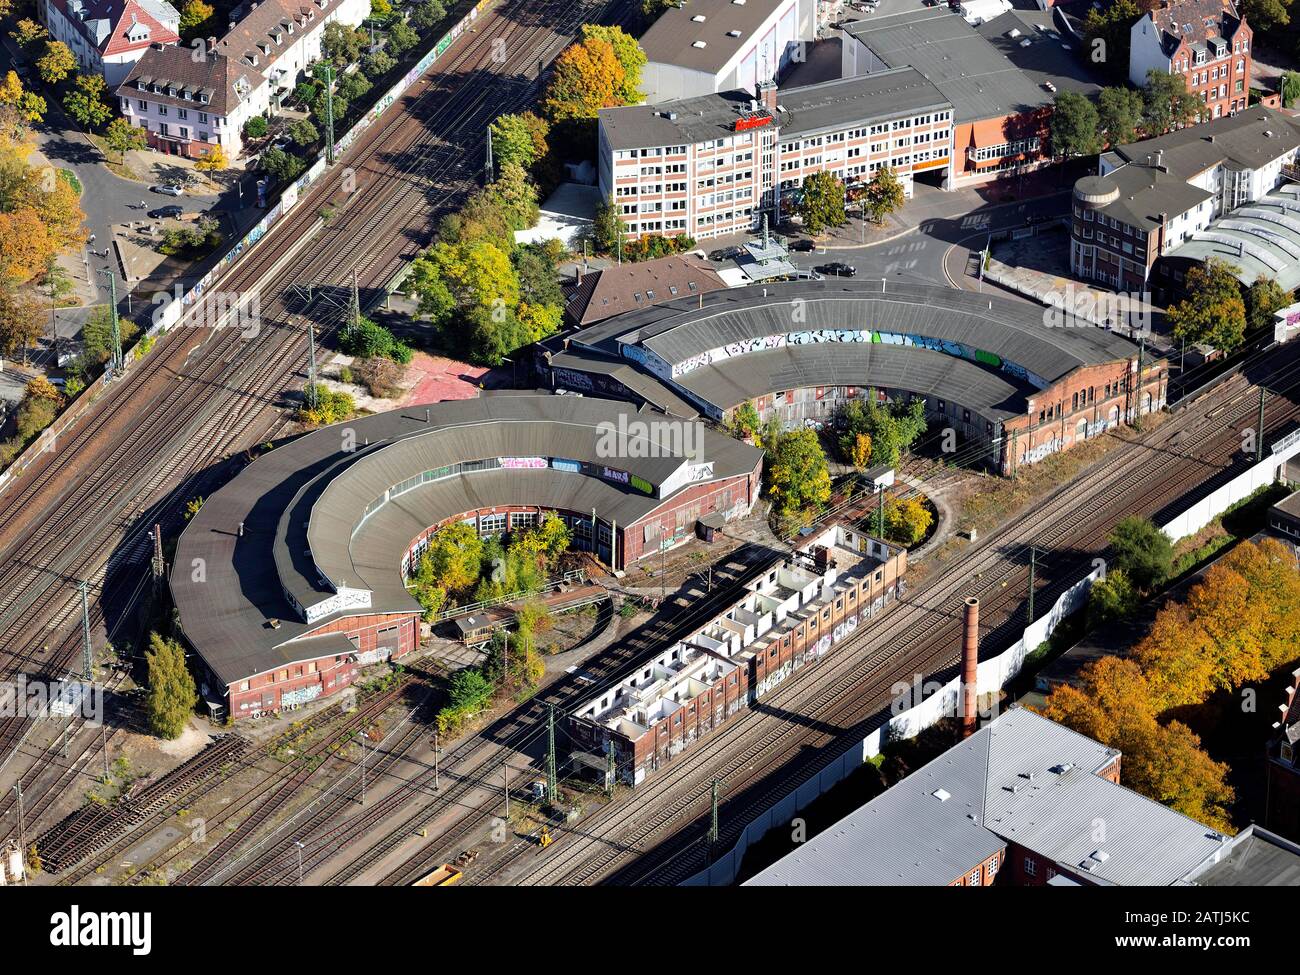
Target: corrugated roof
977,78
1260,239
1021,779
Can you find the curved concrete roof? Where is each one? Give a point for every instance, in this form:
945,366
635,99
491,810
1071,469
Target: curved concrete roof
313,532
1012,333
995,396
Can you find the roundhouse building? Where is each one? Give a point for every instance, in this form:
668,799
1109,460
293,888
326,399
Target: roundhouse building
291,578
992,369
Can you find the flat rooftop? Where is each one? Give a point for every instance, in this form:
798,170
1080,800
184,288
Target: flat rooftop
833,105
979,80
726,27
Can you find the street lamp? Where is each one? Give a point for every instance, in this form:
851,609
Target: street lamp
299,846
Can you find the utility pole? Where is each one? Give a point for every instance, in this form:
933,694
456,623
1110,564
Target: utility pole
663,568
329,113
552,785
87,668
159,566
299,846
22,828
115,354
713,817
1033,565
1259,428
880,512
488,167
611,768
362,736
436,787
354,312
311,391
505,784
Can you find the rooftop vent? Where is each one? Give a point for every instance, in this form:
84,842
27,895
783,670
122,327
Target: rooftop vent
699,44
698,19
943,795
733,33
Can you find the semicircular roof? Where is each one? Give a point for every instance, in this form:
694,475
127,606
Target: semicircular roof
303,510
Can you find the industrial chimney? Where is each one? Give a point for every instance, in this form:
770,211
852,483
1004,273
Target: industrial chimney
970,656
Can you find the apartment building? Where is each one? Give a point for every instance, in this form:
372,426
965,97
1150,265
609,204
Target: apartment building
190,100
708,46
108,37
1153,197
1208,42
712,165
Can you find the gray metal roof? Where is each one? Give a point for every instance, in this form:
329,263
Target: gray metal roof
1044,59
1259,239
671,38
302,508
1257,858
1014,332
832,105
682,122
1145,193
952,814
975,76
864,365
1247,140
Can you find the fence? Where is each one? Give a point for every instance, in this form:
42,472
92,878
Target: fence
993,674
169,313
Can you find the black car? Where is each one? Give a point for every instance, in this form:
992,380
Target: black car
837,269
725,254
803,246
167,211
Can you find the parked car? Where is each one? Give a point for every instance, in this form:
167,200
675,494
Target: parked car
836,269
167,189
172,210
803,246
725,254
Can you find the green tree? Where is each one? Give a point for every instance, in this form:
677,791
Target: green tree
1111,599
284,166
1142,551
195,17
1167,104
797,475
342,45
519,139
821,202
1106,35
516,197
606,227
1266,15
427,15
1263,298
85,102
1213,311
256,127
745,422
172,694
1290,88
883,194
375,64
1119,112
22,321
352,88
303,132
97,335
1074,127
123,137
892,427
401,38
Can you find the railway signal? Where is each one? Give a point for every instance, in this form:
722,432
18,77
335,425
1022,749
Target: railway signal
552,789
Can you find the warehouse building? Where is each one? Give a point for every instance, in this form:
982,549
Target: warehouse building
989,368
790,617
292,577
1019,803
707,46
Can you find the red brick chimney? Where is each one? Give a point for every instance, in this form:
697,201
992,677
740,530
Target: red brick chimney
970,656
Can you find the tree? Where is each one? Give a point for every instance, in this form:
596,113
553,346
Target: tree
883,194
342,45
587,77
375,64
57,63
516,196
1290,88
907,521
28,106
26,245
212,161
284,166
97,335
1119,114
1167,104
1142,551
122,137
821,202
401,38
891,427
745,421
352,87
1213,311
27,33
1266,15
606,227
1263,298
1074,126
1111,599
859,450
797,475
1106,33
256,127
22,323
381,9
303,132
630,57
519,139
195,16
427,15
172,694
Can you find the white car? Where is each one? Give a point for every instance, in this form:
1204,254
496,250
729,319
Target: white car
167,189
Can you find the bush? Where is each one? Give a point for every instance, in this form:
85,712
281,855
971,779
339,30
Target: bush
331,407
369,340
256,127
381,376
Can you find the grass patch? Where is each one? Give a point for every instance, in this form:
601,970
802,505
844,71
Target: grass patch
69,177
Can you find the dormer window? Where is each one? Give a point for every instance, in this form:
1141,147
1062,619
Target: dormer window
139,83
171,92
